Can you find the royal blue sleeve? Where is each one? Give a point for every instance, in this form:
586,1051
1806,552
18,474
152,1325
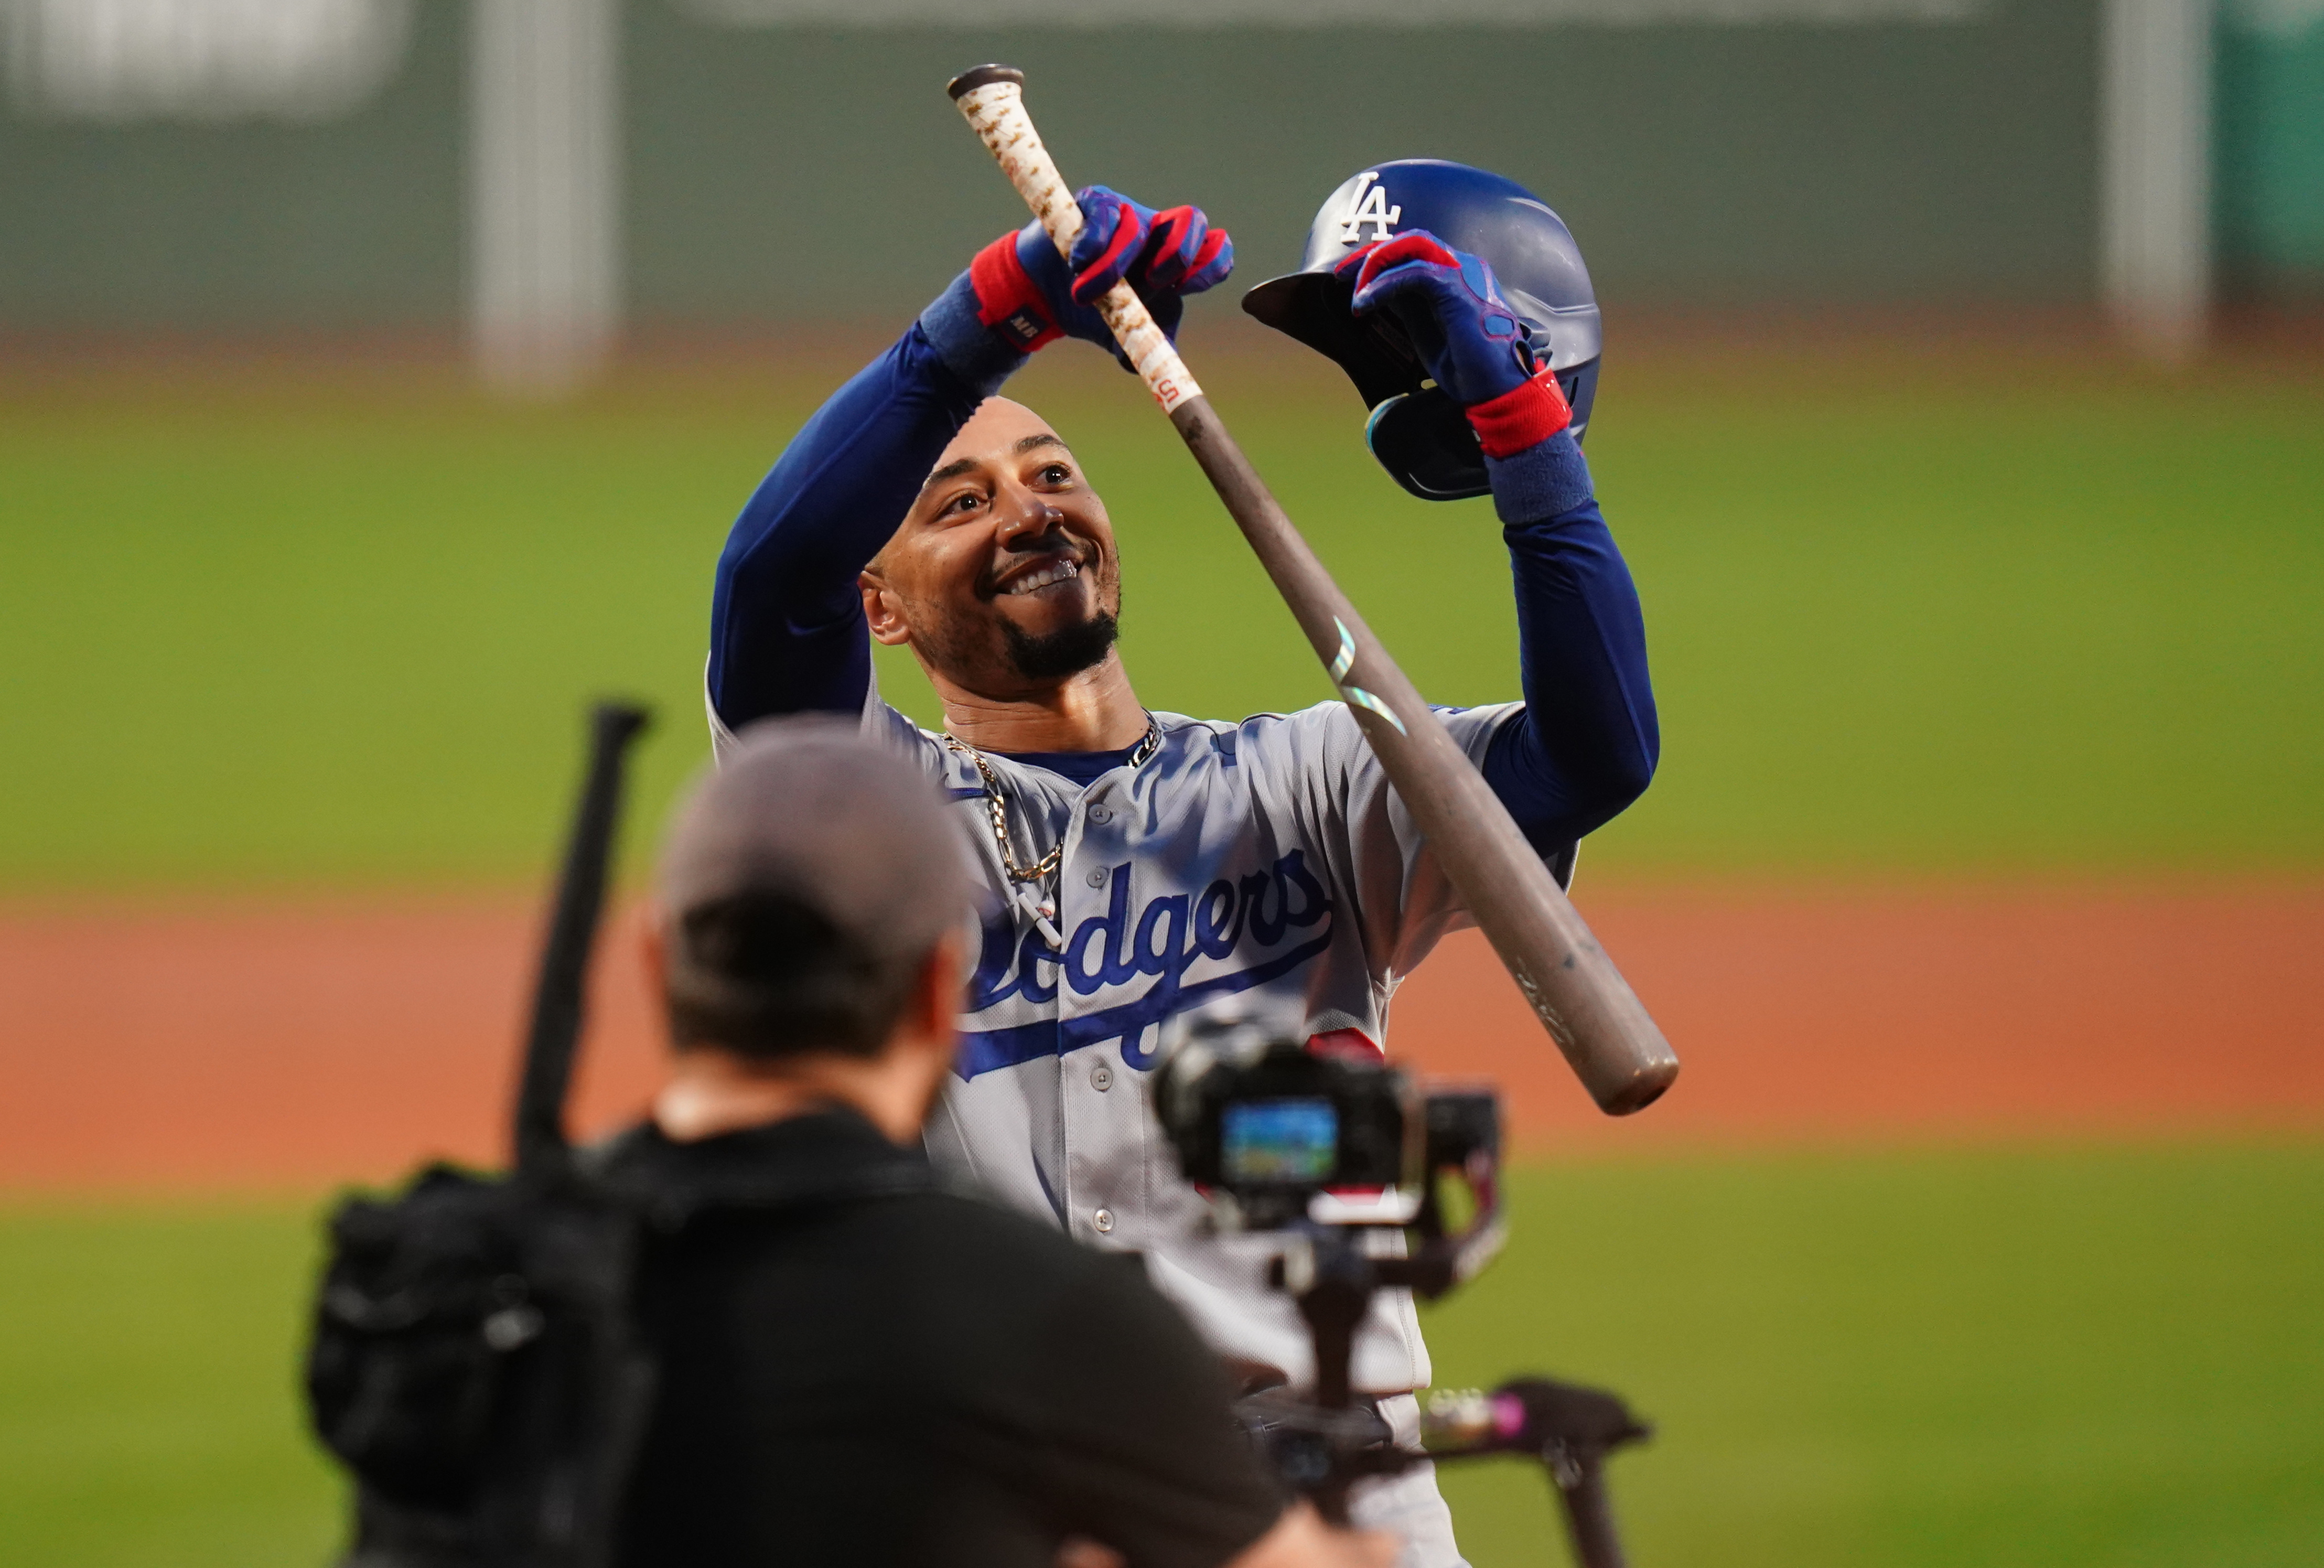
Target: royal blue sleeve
1586,744
786,629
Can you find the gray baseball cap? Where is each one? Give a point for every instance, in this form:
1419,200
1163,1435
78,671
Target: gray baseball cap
845,841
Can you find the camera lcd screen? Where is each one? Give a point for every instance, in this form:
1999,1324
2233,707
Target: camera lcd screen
1278,1140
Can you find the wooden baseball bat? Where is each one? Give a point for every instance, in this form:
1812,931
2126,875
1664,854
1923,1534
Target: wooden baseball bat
1580,997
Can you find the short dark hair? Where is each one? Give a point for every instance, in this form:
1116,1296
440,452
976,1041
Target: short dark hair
766,975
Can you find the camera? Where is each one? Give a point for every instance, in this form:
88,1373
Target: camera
1321,1149
1283,1139
1268,1128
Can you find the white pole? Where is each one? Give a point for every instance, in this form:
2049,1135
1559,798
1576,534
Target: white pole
544,191
2154,151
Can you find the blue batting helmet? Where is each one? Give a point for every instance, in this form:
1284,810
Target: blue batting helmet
1419,435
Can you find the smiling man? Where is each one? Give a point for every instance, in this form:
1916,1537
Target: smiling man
1141,866
1005,580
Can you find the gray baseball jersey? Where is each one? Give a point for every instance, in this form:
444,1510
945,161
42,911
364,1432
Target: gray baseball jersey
1263,868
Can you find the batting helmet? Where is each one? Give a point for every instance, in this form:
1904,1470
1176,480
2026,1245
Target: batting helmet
1420,435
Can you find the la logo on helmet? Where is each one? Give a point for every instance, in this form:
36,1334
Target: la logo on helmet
1371,209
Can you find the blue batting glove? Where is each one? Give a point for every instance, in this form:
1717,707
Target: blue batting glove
1465,333
1027,294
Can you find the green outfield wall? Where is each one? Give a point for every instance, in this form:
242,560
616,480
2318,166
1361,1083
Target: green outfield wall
787,172
249,222
2271,129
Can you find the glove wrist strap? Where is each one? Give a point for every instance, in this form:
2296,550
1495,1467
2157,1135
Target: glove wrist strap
1008,301
1524,416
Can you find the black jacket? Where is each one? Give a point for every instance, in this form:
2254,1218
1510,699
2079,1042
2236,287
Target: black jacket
857,1368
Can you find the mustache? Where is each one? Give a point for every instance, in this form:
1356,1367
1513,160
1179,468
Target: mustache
1055,545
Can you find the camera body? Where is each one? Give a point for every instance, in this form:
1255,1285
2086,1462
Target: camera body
1282,1139
1318,1148
1266,1131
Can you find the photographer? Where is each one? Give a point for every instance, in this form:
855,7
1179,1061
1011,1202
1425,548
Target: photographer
854,1364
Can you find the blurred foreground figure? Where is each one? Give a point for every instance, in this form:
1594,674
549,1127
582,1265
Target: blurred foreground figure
853,1366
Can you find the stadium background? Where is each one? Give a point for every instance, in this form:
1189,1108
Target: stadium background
1981,886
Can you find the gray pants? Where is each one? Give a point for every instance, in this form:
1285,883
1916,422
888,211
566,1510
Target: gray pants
1408,1505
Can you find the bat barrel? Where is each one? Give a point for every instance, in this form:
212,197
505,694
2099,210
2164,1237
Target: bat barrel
1574,989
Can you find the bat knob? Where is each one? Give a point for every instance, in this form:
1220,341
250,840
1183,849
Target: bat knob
984,76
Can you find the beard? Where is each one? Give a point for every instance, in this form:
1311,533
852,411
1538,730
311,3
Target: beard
1054,655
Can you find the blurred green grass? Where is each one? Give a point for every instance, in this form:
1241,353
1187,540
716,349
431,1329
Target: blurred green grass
1912,607
147,1363
2100,1357
2000,1358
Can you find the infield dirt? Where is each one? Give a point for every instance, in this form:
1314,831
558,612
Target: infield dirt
244,1044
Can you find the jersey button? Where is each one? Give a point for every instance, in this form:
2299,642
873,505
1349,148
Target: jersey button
1101,1077
1100,815
1096,878
1103,1221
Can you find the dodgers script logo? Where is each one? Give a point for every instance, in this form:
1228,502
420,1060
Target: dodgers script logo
1279,917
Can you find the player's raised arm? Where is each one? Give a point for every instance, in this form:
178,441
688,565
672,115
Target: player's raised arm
1459,305
1586,742
787,622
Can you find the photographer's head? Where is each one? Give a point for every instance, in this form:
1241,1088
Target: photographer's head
808,942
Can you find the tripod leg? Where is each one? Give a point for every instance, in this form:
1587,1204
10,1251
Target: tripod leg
1333,1329
1589,1516
1333,1305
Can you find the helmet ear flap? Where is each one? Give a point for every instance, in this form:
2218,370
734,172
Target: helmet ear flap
1424,442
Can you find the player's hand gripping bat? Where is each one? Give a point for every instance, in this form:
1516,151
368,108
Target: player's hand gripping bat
1582,999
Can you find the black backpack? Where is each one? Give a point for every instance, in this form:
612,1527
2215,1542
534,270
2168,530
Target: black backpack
474,1363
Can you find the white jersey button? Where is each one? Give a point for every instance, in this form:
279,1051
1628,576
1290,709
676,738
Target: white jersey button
1100,814
1096,878
1102,1219
1101,1077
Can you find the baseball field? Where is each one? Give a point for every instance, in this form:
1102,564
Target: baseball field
1982,888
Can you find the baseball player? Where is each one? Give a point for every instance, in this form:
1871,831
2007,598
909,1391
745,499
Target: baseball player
1142,866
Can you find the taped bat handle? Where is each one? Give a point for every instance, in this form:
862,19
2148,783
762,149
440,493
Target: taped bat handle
992,97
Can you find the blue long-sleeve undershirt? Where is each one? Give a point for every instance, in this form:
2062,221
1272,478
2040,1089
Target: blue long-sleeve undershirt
788,632
1586,742
786,628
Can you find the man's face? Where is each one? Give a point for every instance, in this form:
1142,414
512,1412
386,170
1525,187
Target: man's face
1003,577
